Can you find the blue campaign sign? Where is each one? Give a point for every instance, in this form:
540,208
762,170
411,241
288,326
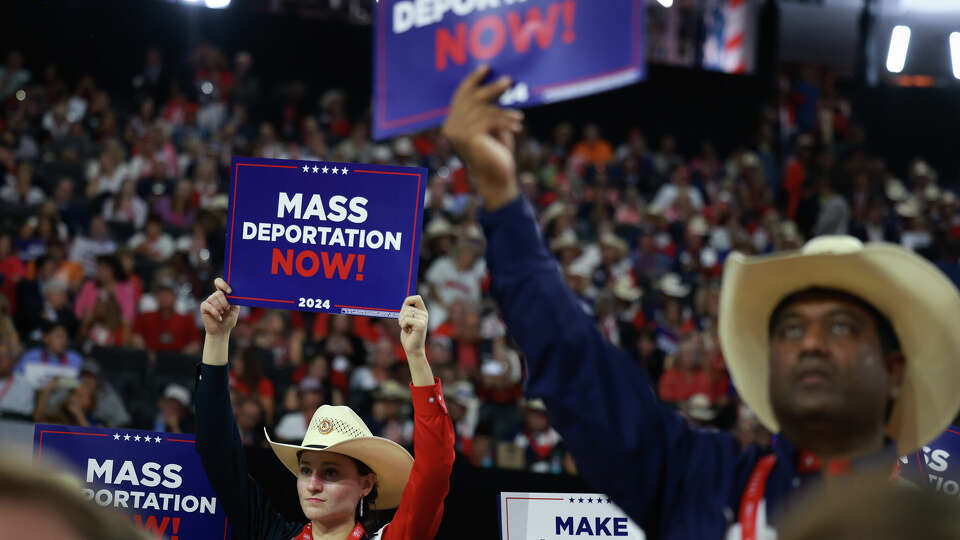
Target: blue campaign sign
936,464
155,477
326,237
554,50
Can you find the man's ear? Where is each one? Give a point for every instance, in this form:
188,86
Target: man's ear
896,365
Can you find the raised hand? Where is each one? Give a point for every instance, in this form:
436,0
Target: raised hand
413,325
413,336
483,134
219,317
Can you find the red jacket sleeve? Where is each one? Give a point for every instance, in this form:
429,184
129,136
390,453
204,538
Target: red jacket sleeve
421,508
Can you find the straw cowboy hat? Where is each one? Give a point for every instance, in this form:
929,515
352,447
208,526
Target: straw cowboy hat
921,303
698,226
671,285
910,208
553,211
338,429
608,239
895,189
567,239
535,405
438,227
625,290
391,390
698,407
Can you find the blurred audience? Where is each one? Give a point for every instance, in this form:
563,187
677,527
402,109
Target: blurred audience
113,210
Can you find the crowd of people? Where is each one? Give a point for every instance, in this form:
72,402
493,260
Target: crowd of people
112,221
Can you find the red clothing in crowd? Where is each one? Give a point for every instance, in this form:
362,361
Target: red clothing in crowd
170,332
678,385
264,387
793,184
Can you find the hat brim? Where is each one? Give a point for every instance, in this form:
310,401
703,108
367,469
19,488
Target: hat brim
628,295
920,301
703,415
388,460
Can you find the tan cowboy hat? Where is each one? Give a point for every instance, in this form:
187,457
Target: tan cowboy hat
391,390
338,429
579,268
438,227
698,407
921,168
921,303
895,190
611,240
625,290
698,226
909,208
790,232
535,405
553,211
567,239
671,285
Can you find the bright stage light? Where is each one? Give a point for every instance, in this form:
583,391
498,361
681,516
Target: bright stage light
217,4
899,43
955,53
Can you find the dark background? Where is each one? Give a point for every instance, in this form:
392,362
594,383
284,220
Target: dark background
108,38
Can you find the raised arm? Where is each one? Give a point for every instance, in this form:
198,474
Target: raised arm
600,400
421,507
218,439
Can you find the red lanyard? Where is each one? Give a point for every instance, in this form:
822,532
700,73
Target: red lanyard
307,532
753,495
757,486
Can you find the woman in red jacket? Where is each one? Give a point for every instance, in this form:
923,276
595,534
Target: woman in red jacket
342,471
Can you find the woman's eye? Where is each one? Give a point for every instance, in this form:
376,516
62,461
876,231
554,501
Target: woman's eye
304,471
330,473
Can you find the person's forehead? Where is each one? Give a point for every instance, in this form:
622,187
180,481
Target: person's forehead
822,303
317,458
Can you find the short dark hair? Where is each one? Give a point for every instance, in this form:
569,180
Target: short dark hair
888,336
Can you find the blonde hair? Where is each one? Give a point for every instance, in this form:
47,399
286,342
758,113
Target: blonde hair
59,494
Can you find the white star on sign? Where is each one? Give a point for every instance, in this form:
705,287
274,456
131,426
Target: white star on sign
343,170
315,168
306,168
116,436
325,170
126,437
157,439
136,438
335,170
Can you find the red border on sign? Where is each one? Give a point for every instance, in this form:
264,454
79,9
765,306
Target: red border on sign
507,505
40,444
233,214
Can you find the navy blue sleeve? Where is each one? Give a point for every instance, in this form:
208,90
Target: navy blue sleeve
221,452
665,475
